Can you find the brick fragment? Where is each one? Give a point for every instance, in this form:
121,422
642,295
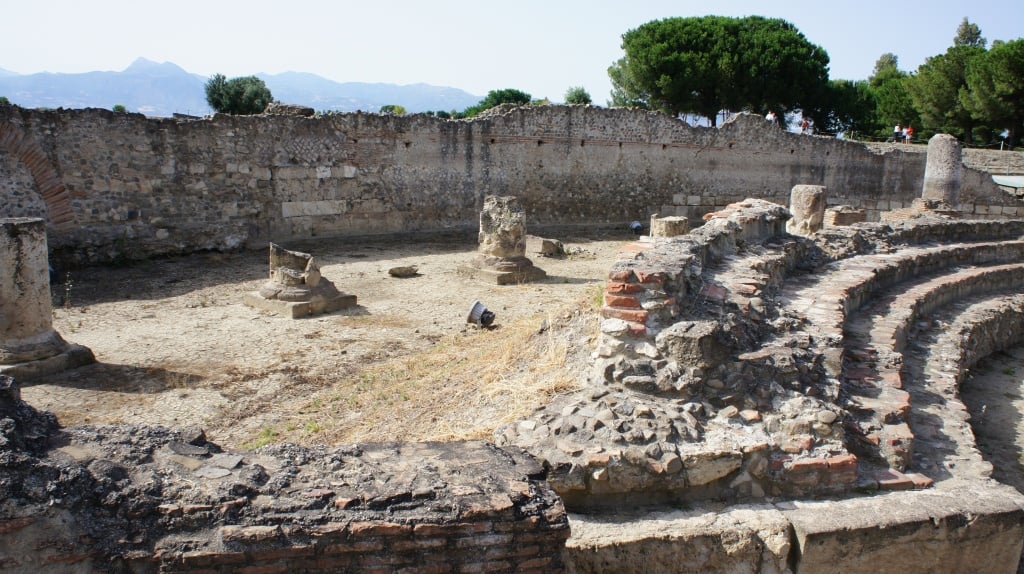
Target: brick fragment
494,505
889,479
418,544
286,552
842,463
358,546
650,277
233,533
637,330
456,529
617,288
919,480
211,558
633,315
806,465
367,529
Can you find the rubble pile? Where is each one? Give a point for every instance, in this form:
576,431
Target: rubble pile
730,366
149,498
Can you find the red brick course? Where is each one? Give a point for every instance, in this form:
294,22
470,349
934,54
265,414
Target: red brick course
48,183
617,288
632,315
621,301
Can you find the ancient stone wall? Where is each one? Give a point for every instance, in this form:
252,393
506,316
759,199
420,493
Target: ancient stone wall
124,185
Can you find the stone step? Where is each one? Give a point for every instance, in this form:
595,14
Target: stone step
936,363
883,326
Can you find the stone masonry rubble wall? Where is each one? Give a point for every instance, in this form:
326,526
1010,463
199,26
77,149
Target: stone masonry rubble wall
127,186
149,499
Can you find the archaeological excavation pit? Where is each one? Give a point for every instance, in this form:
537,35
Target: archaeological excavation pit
738,398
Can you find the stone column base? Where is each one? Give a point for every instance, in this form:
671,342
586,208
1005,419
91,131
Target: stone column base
71,358
502,270
299,309
528,275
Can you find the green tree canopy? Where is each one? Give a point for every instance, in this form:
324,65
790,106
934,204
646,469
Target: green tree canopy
241,96
626,93
968,34
995,88
886,67
577,95
506,96
707,64
937,91
848,107
393,109
496,98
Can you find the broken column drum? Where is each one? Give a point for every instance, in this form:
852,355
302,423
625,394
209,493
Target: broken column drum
807,205
29,346
501,257
943,170
672,226
296,288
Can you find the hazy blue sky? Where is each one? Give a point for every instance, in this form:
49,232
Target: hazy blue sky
541,47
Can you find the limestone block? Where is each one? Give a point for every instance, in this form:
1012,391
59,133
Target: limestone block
841,215
306,208
706,467
672,226
972,529
502,227
743,538
807,204
699,344
544,246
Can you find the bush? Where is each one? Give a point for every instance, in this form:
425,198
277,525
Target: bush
496,98
119,109
577,95
240,96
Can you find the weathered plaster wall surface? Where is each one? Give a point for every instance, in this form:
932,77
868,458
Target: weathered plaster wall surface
139,186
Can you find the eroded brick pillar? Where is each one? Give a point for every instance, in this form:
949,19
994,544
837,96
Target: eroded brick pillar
807,204
943,170
26,322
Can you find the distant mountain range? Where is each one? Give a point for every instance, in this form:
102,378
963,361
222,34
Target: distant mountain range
162,89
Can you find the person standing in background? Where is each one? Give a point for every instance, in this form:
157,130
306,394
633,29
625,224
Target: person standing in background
897,133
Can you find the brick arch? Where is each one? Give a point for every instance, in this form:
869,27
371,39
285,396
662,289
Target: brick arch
48,182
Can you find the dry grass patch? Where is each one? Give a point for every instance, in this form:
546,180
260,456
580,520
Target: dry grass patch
461,388
379,321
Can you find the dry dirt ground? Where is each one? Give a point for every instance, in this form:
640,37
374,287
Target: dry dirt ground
176,346
994,395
